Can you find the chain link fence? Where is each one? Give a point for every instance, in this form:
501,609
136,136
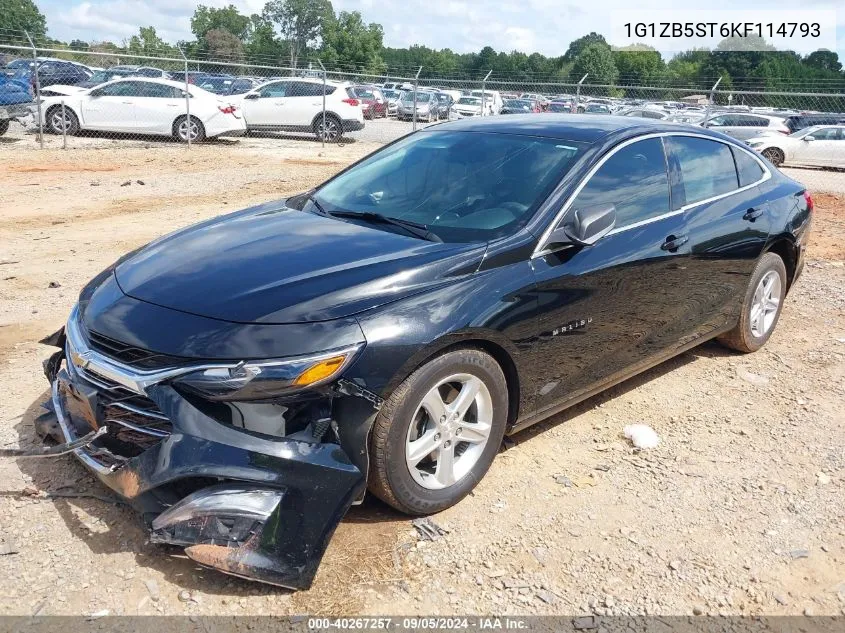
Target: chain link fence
54,97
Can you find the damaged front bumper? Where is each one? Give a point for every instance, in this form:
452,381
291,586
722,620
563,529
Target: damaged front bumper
246,504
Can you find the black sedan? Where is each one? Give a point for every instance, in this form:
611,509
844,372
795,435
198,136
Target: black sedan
242,382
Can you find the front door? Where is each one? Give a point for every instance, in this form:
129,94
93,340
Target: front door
112,107
826,149
606,309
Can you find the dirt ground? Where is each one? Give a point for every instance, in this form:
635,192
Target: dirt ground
740,510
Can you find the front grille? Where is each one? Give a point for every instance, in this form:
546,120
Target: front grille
131,355
134,421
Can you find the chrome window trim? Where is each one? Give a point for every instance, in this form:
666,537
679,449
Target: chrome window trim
541,251
138,380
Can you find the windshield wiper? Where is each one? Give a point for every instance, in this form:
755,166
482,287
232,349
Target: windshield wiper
313,199
414,228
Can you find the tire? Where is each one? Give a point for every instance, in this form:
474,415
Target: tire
180,130
774,156
334,128
753,330
424,488
54,121
4,126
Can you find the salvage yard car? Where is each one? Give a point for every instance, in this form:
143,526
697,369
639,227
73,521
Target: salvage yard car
143,106
296,105
817,146
243,381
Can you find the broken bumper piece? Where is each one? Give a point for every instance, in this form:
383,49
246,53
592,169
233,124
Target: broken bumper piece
255,507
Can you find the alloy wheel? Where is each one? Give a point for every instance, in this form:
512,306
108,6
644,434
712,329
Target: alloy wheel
61,123
449,431
330,132
188,127
766,303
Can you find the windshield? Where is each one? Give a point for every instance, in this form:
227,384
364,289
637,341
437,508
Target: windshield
473,101
518,103
216,85
558,107
464,186
804,132
422,97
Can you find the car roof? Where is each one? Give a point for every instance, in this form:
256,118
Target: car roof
572,127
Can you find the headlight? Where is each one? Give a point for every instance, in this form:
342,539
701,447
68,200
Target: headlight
260,380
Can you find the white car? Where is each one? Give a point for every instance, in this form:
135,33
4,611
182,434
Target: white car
816,146
144,106
466,106
296,105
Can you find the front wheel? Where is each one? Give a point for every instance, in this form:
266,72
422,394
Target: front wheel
761,307
60,122
4,126
438,432
774,156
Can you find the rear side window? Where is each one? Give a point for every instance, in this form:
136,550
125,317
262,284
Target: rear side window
634,180
306,89
707,167
749,170
160,91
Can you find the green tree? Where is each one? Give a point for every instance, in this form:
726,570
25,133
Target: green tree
147,42
639,65
595,61
228,19
19,16
348,42
262,46
824,60
576,46
224,46
300,22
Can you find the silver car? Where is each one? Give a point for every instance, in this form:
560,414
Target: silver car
425,111
745,125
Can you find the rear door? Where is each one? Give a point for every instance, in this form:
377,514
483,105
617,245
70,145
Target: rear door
267,106
157,107
305,102
611,308
727,219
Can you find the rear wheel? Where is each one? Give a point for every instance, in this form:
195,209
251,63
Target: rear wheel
331,132
438,432
761,307
193,129
774,156
4,126
59,123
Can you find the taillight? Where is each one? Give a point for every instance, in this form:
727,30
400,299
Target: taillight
230,109
809,200
352,102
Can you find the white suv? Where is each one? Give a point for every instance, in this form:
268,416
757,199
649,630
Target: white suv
296,105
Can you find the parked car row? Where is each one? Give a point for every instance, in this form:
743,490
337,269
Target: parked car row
139,105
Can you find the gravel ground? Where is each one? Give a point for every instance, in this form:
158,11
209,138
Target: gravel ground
740,509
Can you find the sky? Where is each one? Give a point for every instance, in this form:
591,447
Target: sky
544,26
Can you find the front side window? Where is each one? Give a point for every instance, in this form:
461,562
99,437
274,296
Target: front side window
826,134
634,180
707,167
274,90
119,89
464,186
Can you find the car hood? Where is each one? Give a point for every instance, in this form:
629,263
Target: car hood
274,264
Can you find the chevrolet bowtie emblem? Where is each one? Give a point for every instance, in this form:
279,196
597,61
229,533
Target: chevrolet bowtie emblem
81,359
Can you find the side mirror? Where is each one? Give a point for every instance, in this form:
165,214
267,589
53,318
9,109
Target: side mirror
251,96
585,226
809,137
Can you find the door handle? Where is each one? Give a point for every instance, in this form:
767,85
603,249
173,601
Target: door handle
674,242
752,214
